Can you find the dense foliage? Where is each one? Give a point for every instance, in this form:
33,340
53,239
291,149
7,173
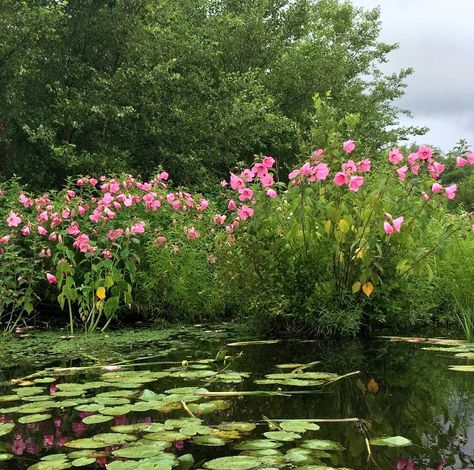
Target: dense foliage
89,86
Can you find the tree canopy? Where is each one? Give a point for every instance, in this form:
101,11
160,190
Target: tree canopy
195,86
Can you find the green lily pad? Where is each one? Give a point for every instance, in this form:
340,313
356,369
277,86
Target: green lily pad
284,436
238,462
140,451
96,419
114,438
209,441
166,436
45,380
5,398
395,441
298,426
237,426
116,410
83,461
34,418
258,444
6,428
321,444
28,391
55,465
111,401
5,456
140,427
90,407
54,457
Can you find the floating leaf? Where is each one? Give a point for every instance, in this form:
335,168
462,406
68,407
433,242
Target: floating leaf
238,462
254,343
166,436
237,426
5,456
298,426
34,418
395,441
96,419
55,465
83,461
6,428
209,441
258,444
140,451
284,436
320,444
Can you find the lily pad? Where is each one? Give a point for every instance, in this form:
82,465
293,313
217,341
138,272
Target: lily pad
258,444
209,441
55,465
166,436
6,428
298,426
321,444
284,436
238,462
395,441
140,451
237,426
83,461
34,418
96,419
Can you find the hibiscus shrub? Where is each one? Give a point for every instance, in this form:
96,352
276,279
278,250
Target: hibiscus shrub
85,245
346,241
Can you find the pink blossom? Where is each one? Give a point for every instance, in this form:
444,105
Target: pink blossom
271,193
160,241
48,440
395,156
232,205
259,169
106,254
236,182
203,205
460,161
415,169
25,201
355,183
306,169
401,464
82,243
53,237
436,188
245,194
71,194
349,146
268,161
80,183
42,230
426,196
402,172
245,212
388,228
266,180
43,217
450,191
5,239
364,166
412,158
349,167
247,175
410,464
93,182
164,175
340,178
73,229
424,152
470,158
319,172
219,219
397,223
138,227
191,233
26,230
51,278
224,183
13,219
294,174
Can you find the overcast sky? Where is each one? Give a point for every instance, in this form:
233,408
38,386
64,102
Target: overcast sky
436,38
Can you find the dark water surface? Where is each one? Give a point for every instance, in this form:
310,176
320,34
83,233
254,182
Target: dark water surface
401,390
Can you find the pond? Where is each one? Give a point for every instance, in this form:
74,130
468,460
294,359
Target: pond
203,398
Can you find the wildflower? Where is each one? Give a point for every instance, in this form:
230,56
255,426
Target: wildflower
259,169
191,233
5,239
236,182
245,212
232,205
25,201
219,219
245,194
470,159
450,191
138,227
271,193
436,188
268,161
349,167
402,172
51,278
319,172
42,230
340,178
364,166
355,183
160,241
266,180
349,146
13,220
395,156
26,230
424,152
247,175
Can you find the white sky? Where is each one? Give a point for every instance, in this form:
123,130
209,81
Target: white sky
436,38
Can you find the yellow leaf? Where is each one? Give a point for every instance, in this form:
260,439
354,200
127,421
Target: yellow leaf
356,287
100,293
343,226
367,288
327,226
372,386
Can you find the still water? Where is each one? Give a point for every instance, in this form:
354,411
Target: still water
52,416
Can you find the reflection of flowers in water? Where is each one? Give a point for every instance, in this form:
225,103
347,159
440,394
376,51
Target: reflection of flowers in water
120,420
410,464
78,427
31,447
48,440
18,446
